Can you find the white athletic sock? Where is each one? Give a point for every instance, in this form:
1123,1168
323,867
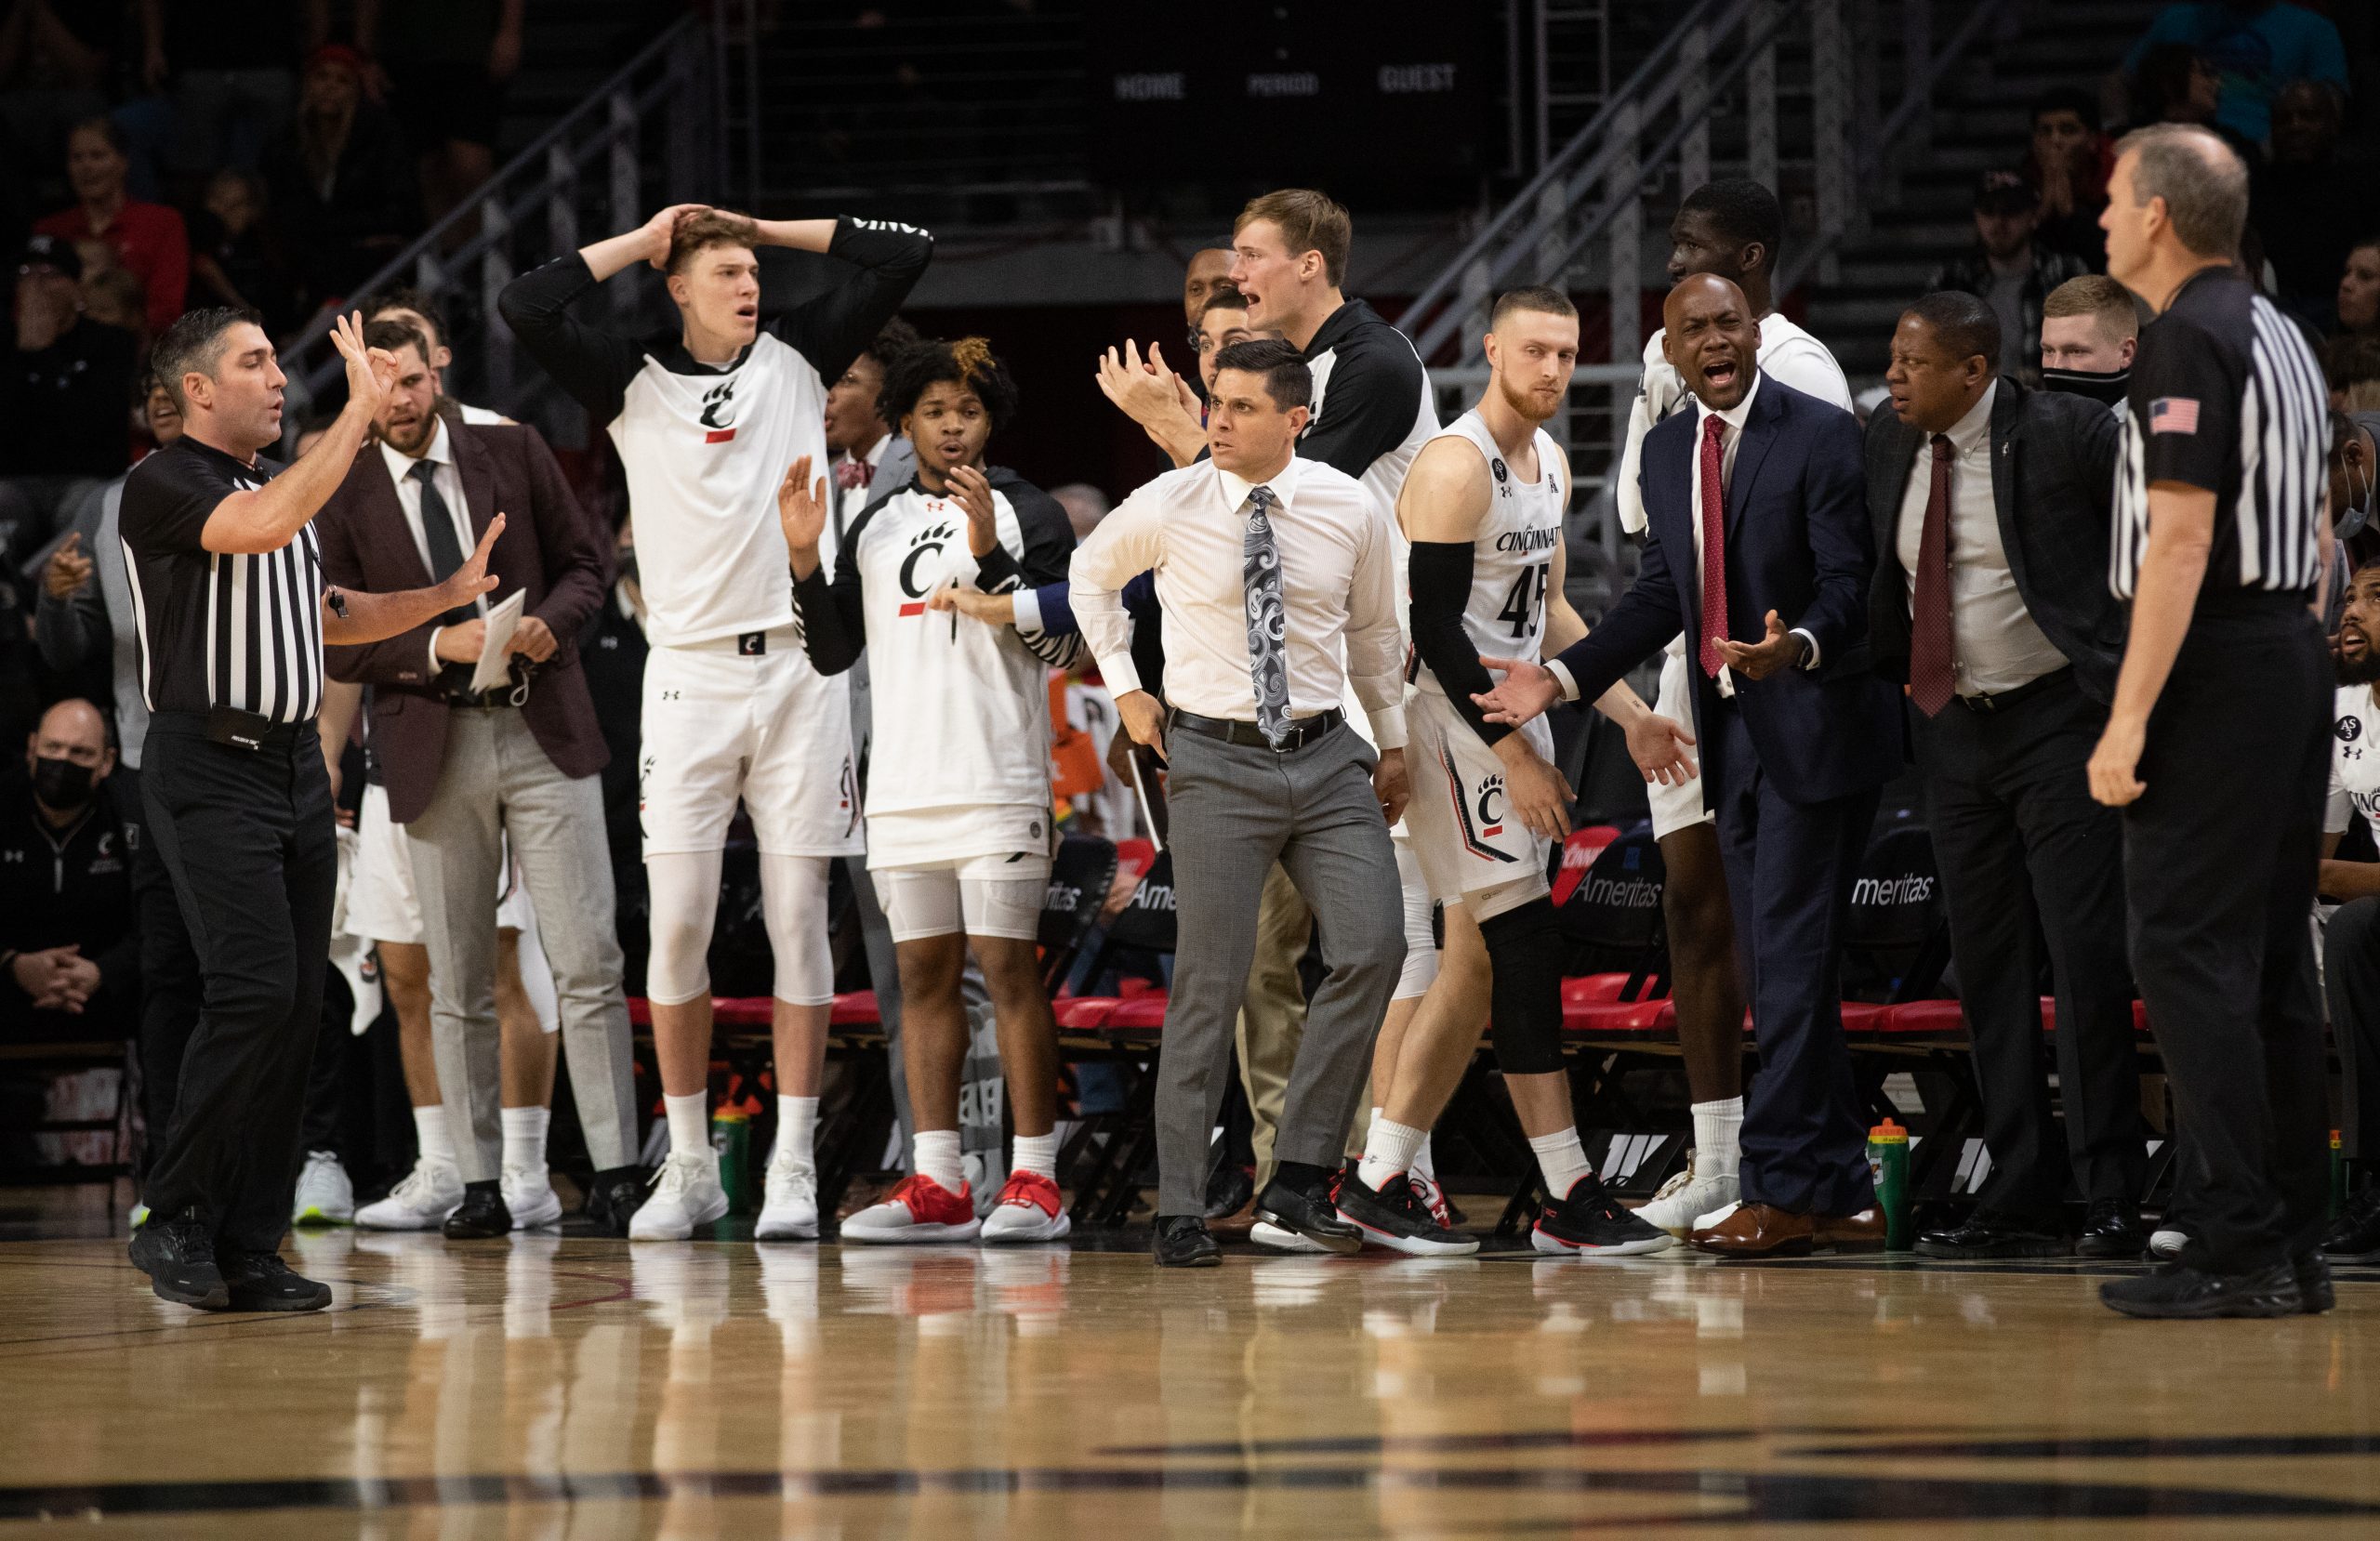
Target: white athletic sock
689,1121
1388,1152
524,1138
429,1130
1036,1153
1563,1159
1717,1126
1425,1164
797,1130
934,1153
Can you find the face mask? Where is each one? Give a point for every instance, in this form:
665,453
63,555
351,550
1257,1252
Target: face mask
2105,390
62,783
2359,513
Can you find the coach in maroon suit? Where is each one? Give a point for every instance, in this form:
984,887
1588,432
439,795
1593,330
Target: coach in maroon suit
465,770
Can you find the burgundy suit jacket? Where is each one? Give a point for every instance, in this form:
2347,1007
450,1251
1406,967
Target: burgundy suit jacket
549,547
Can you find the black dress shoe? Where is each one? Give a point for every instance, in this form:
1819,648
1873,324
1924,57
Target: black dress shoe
260,1280
482,1216
177,1253
612,1198
1229,1187
1312,1215
2111,1230
2315,1295
1988,1234
2179,1292
2354,1237
1183,1242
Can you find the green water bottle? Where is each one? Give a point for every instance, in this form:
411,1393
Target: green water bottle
1888,1163
2338,1174
731,1135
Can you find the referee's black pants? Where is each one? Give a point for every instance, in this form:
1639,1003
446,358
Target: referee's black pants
2024,851
2220,857
171,989
249,839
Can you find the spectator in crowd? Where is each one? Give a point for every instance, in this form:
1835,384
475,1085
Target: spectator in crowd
70,957
2067,166
341,189
2310,204
2358,301
2351,939
233,256
2177,83
2009,270
147,239
55,59
2253,48
112,297
447,63
226,65
2090,326
63,397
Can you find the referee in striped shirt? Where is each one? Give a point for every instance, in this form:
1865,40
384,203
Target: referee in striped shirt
232,613
2216,747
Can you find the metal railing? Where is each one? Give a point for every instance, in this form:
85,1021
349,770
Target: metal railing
544,186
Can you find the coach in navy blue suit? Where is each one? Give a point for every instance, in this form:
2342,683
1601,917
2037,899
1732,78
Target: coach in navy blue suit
1798,734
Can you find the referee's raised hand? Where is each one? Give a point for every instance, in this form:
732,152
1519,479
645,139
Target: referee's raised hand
370,371
472,579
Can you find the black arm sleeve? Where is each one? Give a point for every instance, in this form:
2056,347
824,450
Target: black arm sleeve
1441,582
594,365
834,620
1373,400
831,329
1049,548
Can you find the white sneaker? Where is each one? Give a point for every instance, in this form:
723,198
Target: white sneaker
1029,1209
529,1193
917,1209
789,1205
2166,1241
686,1194
1687,1197
432,1190
325,1196
1264,1233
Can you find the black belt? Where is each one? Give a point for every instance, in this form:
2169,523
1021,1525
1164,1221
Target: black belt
228,725
2001,701
1304,730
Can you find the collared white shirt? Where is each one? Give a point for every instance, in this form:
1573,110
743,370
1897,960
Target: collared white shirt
1995,644
449,482
1339,590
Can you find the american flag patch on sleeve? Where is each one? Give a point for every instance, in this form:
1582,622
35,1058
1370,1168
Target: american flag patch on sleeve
2173,415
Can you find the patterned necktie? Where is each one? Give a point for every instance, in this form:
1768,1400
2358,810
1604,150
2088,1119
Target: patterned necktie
1931,676
438,533
851,474
1268,625
1714,548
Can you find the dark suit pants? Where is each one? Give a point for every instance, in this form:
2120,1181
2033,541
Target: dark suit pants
2026,855
2219,864
248,837
1789,870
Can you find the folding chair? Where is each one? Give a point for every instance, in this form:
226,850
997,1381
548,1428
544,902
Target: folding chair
1105,1157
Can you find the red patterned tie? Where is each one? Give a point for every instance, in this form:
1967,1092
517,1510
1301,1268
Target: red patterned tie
851,474
1714,548
1931,679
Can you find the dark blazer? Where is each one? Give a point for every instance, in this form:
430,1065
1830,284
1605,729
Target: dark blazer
2053,482
1799,543
549,547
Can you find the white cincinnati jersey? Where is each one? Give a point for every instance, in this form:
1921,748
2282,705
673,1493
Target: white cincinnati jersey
2355,760
704,455
963,709
1511,556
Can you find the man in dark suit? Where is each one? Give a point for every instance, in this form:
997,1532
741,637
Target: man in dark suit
1754,514
1993,507
466,769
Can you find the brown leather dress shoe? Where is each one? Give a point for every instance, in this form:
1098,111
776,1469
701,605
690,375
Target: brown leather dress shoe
1757,1230
1861,1233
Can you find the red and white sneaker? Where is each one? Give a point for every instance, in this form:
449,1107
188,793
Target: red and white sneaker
1433,1197
1030,1210
919,1210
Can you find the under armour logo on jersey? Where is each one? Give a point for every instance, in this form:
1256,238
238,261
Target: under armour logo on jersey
719,413
2349,728
931,539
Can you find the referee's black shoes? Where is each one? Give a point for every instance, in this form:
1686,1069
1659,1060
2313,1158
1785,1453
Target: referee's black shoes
2179,1291
177,1253
1183,1242
260,1280
481,1217
611,1201
1991,1234
2112,1228
2354,1237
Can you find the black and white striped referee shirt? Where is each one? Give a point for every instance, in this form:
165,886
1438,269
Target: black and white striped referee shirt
219,629
2226,396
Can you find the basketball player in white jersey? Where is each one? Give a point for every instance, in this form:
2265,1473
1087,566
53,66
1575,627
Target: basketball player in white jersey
1482,506
1730,228
706,423
959,819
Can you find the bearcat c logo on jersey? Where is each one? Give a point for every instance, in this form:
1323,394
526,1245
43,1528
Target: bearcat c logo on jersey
933,538
1478,812
719,413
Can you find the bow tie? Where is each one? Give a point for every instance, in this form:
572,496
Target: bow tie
851,474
